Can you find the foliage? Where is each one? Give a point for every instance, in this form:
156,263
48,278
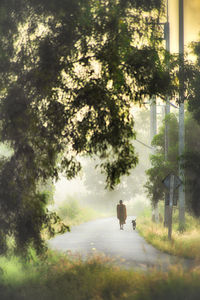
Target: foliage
62,277
185,245
131,186
73,213
71,72
192,166
160,167
193,88
191,162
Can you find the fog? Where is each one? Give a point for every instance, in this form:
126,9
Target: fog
89,187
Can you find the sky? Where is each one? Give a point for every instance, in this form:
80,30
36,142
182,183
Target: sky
191,22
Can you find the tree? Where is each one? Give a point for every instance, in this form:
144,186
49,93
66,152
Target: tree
194,84
130,186
191,162
160,167
73,71
192,156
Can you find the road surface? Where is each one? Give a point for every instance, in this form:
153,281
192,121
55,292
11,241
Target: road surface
126,247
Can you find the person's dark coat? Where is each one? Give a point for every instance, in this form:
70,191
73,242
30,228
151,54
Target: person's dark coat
121,213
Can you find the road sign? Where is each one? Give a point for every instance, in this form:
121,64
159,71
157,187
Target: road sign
177,181
175,199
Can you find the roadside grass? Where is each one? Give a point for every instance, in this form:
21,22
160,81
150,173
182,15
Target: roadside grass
72,213
84,214
60,277
184,244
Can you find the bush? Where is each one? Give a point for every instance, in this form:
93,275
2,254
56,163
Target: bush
69,278
72,213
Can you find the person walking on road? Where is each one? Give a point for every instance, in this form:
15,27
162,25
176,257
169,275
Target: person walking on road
121,214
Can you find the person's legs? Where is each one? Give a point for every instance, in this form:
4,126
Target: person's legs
121,223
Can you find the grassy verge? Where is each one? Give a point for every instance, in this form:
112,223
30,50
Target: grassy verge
185,244
72,213
61,277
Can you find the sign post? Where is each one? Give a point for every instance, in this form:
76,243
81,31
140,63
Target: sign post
171,196
171,182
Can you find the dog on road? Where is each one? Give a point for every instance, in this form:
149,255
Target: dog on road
133,223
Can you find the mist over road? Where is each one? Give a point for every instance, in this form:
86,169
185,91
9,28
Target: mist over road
103,236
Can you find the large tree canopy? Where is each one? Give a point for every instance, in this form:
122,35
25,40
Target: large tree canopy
71,72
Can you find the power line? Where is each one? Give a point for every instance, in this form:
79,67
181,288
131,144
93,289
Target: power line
144,144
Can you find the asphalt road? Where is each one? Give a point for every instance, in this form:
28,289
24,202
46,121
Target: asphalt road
125,247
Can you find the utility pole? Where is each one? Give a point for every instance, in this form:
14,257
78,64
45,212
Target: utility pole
166,206
167,106
153,132
181,116
167,112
